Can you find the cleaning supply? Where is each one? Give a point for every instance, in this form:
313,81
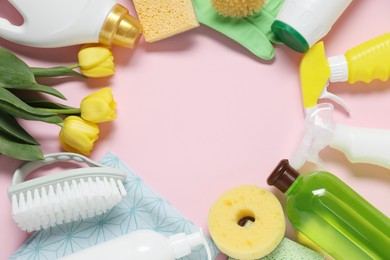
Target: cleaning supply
66,196
365,62
240,8
252,32
229,214
164,18
50,24
302,23
360,145
290,250
141,208
304,241
332,215
143,244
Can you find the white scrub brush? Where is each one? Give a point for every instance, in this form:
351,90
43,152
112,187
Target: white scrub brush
65,196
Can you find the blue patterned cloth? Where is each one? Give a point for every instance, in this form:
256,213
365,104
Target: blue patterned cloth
142,208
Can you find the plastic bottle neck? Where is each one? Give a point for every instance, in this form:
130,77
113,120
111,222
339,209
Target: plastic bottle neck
182,244
283,176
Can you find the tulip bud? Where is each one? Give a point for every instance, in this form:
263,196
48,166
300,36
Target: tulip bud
96,61
78,135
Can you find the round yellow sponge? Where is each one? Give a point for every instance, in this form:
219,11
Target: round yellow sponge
240,240
237,8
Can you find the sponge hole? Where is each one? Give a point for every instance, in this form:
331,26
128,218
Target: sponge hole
245,216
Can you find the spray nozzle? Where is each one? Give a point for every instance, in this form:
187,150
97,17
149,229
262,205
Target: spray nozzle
364,62
316,71
319,129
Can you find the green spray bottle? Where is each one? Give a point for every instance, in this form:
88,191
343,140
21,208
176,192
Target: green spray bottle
332,214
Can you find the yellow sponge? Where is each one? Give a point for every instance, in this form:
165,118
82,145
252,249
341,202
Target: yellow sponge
161,19
246,203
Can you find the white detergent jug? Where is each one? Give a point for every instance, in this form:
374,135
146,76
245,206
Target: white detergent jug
59,23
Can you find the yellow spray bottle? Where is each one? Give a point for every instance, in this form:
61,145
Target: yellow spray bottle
365,62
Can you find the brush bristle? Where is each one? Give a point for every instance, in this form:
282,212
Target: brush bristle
65,202
237,8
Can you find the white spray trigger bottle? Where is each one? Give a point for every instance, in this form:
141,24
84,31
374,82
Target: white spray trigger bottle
360,145
59,23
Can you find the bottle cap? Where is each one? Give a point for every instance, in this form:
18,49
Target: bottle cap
120,28
289,36
338,68
182,243
283,176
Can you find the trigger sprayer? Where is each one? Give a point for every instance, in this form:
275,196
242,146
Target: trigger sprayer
49,24
365,62
360,145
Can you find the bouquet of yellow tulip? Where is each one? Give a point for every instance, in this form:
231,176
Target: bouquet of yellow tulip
79,126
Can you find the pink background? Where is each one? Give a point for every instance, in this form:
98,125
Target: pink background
198,114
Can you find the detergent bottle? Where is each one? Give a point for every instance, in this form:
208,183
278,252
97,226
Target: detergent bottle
301,23
59,23
365,62
332,215
143,244
359,144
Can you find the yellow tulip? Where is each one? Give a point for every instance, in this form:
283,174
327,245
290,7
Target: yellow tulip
99,106
96,61
78,135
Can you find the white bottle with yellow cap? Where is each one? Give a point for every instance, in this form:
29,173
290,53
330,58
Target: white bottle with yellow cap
58,23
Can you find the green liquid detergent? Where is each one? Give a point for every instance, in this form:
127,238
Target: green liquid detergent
333,215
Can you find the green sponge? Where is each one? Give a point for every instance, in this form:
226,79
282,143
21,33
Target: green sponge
290,250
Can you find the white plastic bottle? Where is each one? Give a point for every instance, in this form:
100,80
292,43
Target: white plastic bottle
301,23
143,244
49,24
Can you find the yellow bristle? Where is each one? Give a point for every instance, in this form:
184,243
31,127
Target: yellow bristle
237,8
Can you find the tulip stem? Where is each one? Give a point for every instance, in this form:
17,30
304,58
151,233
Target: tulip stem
70,111
56,71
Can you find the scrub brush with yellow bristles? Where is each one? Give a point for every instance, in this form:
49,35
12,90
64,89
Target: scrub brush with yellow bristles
237,8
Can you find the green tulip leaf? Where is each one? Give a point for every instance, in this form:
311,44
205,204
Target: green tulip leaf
7,97
16,74
14,71
17,112
58,108
45,89
48,104
14,149
14,106
10,126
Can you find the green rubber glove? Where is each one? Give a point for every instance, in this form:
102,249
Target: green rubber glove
253,32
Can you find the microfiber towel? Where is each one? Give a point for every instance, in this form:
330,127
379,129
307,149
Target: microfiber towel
142,208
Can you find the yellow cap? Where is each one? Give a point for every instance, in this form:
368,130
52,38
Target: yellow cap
120,28
314,72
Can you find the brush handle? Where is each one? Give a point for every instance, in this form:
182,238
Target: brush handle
369,60
363,145
28,167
